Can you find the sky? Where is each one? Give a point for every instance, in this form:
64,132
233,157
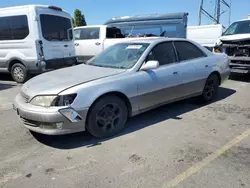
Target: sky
99,11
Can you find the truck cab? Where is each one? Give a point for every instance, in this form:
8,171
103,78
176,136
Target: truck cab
91,40
235,42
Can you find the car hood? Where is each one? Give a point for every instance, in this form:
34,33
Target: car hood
235,38
54,82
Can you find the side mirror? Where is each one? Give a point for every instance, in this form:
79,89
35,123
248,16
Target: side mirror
149,65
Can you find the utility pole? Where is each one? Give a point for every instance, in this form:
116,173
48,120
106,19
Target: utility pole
200,12
218,11
229,17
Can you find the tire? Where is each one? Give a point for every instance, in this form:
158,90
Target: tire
19,73
210,89
107,117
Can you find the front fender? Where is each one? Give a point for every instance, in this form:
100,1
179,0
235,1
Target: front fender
88,93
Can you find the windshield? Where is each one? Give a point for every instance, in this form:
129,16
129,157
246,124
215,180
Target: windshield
122,56
241,27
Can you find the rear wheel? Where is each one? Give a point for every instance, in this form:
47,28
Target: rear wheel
19,73
107,117
210,89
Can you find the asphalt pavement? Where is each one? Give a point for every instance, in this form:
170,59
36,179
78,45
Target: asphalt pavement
184,145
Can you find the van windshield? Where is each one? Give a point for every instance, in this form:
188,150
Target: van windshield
56,28
241,27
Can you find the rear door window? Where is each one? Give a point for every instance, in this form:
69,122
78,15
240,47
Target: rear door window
56,28
187,51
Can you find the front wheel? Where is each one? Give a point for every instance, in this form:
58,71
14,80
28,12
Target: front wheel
107,117
210,89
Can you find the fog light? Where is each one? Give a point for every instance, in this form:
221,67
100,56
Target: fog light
70,114
59,125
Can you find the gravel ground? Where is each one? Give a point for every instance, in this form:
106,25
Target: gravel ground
154,149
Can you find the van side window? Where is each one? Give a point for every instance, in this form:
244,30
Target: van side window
14,27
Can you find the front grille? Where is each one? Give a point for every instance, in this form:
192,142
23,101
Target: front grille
30,122
234,51
25,97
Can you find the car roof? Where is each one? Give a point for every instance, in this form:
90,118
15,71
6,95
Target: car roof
154,40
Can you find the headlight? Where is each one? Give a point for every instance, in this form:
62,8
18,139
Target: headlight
44,101
53,100
64,100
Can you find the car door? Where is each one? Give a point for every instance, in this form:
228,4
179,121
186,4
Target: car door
160,85
87,42
193,66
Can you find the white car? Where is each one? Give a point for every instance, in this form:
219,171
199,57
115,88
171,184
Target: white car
34,39
92,40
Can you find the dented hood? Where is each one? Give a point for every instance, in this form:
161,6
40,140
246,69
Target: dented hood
235,38
54,82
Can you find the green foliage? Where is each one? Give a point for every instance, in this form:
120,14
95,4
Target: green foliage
79,19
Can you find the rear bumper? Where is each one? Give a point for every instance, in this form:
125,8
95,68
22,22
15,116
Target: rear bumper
47,121
83,59
52,65
60,63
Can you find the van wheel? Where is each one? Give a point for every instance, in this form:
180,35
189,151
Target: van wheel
19,73
107,117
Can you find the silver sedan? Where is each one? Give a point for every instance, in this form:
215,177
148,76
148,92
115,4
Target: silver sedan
123,81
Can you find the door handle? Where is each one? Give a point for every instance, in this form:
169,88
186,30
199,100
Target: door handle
66,45
76,44
97,43
175,73
206,66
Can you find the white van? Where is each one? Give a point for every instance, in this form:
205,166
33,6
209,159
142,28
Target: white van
205,35
34,39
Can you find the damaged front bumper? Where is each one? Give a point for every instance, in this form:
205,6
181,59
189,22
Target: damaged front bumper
239,64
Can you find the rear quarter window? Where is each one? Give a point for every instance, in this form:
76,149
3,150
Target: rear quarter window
187,51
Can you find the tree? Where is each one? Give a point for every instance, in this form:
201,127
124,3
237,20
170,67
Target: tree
79,19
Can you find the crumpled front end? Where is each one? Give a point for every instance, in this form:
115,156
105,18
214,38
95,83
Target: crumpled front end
238,53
